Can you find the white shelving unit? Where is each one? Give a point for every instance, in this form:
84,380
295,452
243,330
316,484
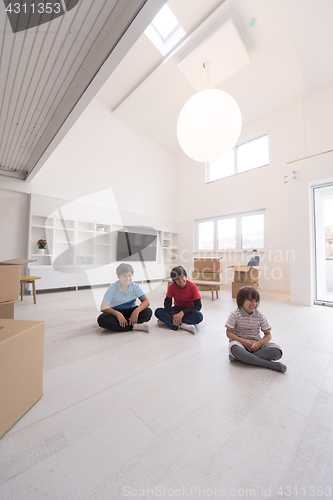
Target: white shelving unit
102,240
40,229
81,244
169,244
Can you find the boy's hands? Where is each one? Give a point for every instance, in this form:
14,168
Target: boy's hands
133,319
122,320
255,346
248,344
177,319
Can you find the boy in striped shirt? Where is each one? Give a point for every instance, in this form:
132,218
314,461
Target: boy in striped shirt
243,331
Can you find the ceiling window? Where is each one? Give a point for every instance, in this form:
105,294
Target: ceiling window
165,31
246,156
165,22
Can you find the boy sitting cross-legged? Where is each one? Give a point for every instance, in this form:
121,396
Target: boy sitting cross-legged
185,313
119,310
246,344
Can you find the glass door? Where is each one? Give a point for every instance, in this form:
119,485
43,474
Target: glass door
323,219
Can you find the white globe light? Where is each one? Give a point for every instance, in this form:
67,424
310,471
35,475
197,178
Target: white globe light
209,125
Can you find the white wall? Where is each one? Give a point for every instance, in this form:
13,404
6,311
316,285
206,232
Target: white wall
310,172
318,133
303,128
13,225
99,153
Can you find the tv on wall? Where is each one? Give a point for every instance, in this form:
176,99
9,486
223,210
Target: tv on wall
136,246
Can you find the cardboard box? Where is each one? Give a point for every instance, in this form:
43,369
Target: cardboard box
236,286
7,310
19,262
9,282
246,274
212,265
21,369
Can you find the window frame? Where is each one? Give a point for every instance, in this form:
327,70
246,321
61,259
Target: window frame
170,32
165,45
235,148
238,216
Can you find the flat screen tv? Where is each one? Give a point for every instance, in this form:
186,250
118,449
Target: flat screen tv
136,246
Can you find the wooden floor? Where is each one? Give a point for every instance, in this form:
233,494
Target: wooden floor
166,415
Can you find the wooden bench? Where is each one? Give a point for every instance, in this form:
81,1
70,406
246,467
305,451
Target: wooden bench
213,286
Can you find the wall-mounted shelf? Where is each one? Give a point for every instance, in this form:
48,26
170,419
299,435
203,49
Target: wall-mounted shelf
79,253
169,244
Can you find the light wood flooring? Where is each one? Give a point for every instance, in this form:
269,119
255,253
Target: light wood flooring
166,415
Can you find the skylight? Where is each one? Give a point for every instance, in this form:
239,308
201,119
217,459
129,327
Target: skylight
165,31
165,22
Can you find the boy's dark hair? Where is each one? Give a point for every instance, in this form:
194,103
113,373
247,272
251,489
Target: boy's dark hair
176,272
247,292
124,268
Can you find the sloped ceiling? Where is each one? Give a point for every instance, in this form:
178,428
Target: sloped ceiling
45,69
50,73
290,49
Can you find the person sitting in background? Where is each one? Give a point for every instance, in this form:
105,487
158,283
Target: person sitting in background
119,310
185,313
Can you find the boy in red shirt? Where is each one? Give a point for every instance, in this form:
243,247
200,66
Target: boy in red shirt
185,313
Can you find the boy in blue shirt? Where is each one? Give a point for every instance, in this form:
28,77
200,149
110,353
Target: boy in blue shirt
119,310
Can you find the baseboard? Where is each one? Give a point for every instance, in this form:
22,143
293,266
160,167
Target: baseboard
275,288
300,302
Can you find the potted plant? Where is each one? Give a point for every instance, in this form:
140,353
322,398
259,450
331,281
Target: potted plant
41,244
100,228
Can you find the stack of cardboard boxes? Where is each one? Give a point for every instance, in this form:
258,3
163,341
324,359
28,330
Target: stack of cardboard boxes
21,353
21,369
209,269
244,276
9,289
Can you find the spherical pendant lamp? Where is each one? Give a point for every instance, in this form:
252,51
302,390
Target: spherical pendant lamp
209,125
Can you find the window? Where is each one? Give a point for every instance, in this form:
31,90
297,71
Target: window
165,31
245,156
224,167
252,154
243,231
165,22
226,234
252,231
205,235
